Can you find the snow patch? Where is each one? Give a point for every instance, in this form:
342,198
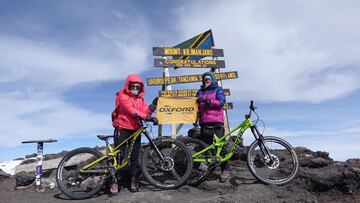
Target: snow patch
9,166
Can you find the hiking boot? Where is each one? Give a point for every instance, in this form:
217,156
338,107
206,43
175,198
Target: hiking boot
224,176
134,184
114,188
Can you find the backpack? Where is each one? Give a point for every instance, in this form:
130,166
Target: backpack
115,112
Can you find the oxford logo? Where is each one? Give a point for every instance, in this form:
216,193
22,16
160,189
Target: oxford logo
179,109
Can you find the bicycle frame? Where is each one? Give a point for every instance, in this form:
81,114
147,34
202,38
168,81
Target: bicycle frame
111,152
220,142
221,151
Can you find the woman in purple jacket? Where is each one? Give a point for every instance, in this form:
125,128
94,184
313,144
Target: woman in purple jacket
211,100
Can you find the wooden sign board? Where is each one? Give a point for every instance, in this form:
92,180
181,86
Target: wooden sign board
189,63
188,78
170,51
228,105
184,93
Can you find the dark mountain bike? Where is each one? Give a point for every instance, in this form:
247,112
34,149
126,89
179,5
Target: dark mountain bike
270,159
83,172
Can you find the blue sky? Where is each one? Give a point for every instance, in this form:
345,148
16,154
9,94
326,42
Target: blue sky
62,62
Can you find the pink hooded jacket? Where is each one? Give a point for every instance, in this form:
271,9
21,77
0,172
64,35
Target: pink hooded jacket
127,104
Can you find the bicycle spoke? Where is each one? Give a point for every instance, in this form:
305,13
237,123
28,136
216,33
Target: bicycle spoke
170,171
273,162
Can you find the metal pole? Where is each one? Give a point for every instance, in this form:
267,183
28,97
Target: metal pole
39,158
226,120
168,87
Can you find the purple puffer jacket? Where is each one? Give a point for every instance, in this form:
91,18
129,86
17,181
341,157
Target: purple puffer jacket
212,113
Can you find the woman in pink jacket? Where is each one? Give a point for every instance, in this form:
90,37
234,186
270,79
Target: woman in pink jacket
129,105
211,99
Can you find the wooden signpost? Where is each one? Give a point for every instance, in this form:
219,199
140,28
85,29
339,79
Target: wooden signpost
171,51
228,105
188,78
189,63
190,54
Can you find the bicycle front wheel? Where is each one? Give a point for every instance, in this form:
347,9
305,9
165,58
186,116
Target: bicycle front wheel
272,161
77,184
173,169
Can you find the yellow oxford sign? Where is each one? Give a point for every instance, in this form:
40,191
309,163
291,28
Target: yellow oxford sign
176,110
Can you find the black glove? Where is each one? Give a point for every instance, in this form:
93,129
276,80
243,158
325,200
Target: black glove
137,116
149,118
203,100
153,105
155,101
155,121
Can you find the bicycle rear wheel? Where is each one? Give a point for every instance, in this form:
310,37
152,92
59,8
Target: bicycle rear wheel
277,167
76,184
173,170
200,169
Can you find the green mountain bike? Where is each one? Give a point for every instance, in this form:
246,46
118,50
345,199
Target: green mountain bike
83,172
270,159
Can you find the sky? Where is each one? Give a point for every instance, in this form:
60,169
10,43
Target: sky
62,62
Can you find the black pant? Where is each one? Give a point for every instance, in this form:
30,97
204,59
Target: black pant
207,135
120,136
208,131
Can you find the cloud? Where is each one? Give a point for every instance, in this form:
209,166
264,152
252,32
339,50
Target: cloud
87,47
35,71
284,51
42,115
46,64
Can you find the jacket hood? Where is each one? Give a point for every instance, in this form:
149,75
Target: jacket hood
134,78
212,75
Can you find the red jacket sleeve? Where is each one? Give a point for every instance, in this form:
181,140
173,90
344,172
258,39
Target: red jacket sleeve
126,106
145,108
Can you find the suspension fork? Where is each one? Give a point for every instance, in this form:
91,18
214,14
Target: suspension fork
259,137
152,143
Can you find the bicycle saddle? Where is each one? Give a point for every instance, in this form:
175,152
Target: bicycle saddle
104,137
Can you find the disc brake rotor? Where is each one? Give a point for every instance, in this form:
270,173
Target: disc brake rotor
272,164
167,164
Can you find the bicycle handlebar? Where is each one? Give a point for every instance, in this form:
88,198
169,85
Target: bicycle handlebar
251,105
252,109
141,121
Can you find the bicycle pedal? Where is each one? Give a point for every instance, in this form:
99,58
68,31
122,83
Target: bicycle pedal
214,165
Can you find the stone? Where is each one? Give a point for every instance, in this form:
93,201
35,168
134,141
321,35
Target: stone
3,175
24,178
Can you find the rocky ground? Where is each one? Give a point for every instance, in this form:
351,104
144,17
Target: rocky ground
320,179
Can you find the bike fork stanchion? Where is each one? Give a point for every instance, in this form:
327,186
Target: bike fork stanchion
39,159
